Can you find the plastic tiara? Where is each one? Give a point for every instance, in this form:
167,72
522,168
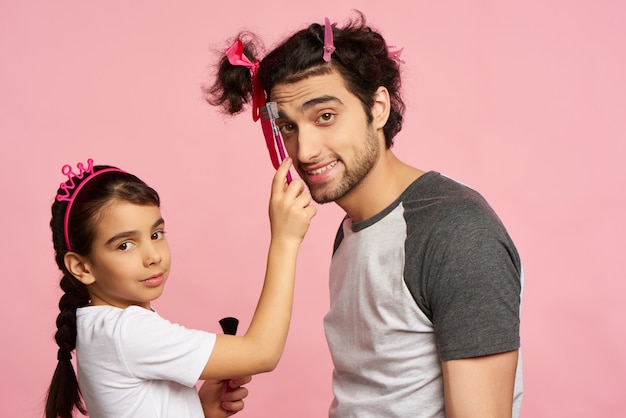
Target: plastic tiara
68,196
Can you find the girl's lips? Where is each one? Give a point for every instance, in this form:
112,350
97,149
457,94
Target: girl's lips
155,280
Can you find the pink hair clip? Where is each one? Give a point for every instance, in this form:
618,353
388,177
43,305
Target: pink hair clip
329,42
394,54
67,196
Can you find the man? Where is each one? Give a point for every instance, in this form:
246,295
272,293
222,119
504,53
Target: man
425,282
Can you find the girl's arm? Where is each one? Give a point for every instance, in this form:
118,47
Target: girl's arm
261,347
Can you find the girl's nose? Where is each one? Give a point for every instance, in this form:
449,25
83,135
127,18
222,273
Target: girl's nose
153,255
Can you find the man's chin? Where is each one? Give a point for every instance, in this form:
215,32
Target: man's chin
326,194
322,201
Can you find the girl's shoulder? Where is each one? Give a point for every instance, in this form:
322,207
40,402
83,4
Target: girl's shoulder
108,316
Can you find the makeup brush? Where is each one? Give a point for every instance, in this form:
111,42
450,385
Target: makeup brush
270,112
229,326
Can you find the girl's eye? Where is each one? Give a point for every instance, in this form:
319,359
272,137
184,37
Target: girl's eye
158,235
125,246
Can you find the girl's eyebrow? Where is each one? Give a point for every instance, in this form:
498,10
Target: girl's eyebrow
127,234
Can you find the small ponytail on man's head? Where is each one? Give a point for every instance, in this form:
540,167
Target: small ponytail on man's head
233,86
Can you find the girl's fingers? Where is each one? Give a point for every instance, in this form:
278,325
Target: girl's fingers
303,199
295,188
280,178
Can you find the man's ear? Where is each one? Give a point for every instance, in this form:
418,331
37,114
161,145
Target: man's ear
78,266
381,107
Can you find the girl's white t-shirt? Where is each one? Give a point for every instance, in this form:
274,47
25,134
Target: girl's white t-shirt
134,363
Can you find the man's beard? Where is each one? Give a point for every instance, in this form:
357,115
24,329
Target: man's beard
362,164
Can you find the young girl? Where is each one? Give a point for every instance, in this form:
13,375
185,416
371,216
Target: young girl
110,244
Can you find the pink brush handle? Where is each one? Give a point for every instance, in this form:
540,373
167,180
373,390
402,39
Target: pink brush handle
281,152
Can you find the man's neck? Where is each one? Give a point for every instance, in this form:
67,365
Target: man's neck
384,183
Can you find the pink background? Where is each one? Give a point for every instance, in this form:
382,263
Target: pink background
525,101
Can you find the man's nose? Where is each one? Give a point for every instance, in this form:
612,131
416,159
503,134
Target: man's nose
309,144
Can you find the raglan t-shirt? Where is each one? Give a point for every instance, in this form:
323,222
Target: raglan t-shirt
433,277
134,363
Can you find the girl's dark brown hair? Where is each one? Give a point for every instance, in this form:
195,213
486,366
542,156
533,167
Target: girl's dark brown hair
64,393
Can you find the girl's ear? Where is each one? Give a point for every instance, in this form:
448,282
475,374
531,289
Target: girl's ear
381,107
78,266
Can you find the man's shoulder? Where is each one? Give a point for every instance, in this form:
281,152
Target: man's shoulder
436,202
437,192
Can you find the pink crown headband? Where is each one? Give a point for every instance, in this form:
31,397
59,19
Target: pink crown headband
67,188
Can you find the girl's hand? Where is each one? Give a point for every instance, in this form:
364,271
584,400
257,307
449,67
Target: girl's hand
290,206
217,402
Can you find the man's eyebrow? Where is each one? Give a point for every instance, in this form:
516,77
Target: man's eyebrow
322,99
127,234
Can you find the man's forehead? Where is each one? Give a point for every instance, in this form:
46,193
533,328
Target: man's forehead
310,91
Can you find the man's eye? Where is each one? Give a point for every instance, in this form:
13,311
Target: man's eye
158,235
326,117
286,128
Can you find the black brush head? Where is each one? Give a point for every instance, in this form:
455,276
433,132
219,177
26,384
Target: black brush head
229,325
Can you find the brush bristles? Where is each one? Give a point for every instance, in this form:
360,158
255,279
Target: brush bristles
269,111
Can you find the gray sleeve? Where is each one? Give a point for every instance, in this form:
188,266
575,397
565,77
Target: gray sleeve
475,296
465,276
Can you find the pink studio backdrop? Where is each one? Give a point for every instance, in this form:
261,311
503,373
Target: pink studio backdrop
525,101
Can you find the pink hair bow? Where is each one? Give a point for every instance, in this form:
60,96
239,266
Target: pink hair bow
235,56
